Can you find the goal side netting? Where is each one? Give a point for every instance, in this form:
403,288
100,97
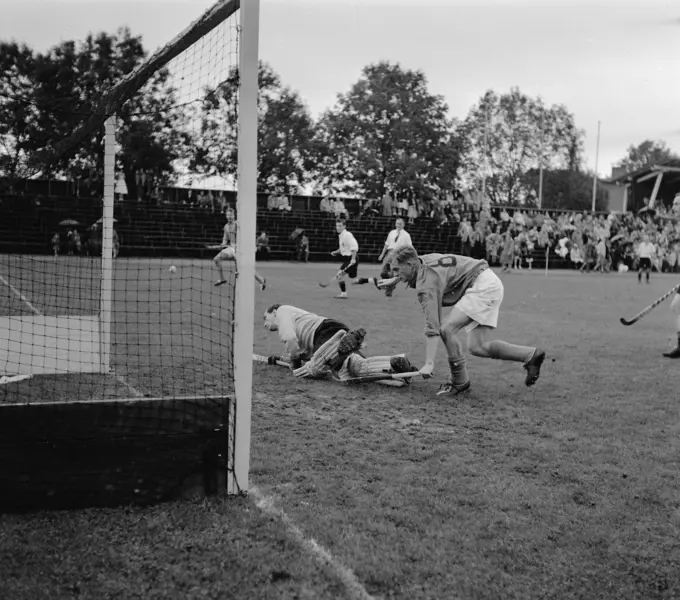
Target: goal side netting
120,303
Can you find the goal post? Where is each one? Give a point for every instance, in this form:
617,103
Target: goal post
244,312
129,355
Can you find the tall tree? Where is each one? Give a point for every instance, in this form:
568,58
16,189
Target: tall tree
18,112
645,154
388,132
285,133
54,92
522,132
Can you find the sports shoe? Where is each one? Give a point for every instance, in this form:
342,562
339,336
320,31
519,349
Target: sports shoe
340,297
449,389
675,353
401,364
533,367
263,285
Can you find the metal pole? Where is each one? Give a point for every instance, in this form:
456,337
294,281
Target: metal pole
485,162
597,155
540,171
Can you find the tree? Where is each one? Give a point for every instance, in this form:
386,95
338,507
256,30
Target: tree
17,110
285,133
645,154
521,133
566,189
54,92
388,132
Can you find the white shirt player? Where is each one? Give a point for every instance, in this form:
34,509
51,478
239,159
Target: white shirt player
229,234
347,243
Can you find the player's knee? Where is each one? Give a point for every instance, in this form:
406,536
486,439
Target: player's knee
478,348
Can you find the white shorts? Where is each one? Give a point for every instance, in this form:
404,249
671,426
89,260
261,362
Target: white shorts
228,253
482,300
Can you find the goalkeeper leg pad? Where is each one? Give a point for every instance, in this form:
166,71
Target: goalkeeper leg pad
324,359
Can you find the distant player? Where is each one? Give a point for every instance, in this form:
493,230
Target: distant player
316,345
348,249
645,251
396,238
474,293
228,252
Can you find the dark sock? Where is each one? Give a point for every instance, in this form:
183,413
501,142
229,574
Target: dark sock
362,280
343,286
459,374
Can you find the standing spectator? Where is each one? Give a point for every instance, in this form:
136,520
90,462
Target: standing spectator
387,205
272,201
262,246
465,232
55,244
326,205
283,204
339,209
645,251
303,247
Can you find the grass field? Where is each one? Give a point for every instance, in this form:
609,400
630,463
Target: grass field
569,489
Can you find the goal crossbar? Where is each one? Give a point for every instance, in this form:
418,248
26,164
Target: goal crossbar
136,79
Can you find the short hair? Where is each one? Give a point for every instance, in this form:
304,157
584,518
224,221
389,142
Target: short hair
272,308
341,221
404,254
400,219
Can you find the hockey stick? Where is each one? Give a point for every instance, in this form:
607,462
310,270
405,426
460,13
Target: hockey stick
336,277
651,307
381,377
270,360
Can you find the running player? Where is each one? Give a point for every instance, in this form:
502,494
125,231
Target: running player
228,251
475,294
348,248
396,238
326,345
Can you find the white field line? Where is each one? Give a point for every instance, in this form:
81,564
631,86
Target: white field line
133,390
20,296
355,591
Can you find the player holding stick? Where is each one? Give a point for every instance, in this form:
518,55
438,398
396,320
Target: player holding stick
348,248
475,294
316,345
228,252
396,238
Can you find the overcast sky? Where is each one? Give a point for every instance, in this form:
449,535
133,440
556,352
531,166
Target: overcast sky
614,61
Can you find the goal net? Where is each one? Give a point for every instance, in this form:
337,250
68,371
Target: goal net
112,304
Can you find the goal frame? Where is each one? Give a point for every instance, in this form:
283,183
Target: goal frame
218,419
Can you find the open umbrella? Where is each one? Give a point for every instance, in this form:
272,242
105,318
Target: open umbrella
69,223
101,220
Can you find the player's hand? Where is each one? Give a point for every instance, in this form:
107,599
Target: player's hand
426,371
335,252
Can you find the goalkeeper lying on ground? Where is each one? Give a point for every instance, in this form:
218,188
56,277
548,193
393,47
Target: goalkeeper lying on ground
316,345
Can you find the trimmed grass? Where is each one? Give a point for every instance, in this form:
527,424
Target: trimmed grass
569,489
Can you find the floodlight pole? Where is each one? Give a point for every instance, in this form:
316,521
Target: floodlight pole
246,206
